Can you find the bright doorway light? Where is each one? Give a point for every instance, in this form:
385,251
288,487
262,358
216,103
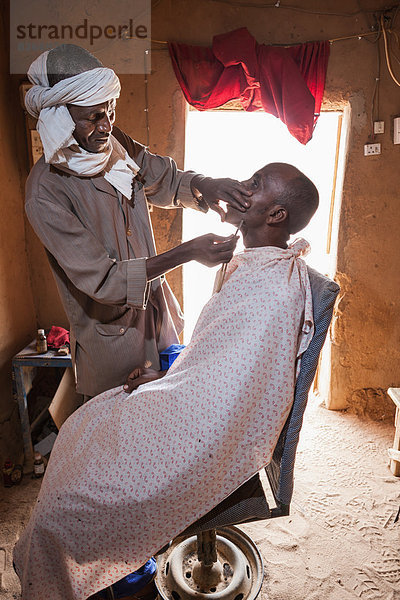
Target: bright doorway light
235,144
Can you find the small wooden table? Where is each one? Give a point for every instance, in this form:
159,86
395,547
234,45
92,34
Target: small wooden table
28,357
394,453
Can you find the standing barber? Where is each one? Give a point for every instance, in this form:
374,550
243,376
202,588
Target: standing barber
87,201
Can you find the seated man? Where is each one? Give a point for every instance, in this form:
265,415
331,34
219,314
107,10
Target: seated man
129,471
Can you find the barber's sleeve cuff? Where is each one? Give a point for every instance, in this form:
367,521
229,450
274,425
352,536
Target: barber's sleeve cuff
137,284
185,195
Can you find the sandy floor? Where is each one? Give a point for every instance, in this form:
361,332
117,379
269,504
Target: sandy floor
342,539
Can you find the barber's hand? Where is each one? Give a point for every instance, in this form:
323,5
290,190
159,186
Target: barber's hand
211,249
139,376
227,190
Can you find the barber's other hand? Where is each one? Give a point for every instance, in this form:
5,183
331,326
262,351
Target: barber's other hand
226,190
139,376
211,249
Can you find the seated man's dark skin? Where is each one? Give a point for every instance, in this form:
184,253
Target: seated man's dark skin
273,215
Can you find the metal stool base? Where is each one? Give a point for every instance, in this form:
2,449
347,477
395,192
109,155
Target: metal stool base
237,574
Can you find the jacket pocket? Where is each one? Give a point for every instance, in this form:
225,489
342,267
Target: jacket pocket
119,325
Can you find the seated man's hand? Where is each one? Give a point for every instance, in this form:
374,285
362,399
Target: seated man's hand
141,375
226,190
211,249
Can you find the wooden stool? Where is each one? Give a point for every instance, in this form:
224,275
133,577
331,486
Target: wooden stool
394,453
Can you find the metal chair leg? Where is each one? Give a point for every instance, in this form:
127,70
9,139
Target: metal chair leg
110,593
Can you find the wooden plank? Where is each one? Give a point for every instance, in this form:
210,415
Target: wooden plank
65,400
394,454
394,393
395,467
23,413
39,419
29,357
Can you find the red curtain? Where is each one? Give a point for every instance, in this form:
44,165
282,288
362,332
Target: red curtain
285,82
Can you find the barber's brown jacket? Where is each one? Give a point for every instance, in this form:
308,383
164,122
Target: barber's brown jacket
97,242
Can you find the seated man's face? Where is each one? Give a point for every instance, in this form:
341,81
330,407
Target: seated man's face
266,184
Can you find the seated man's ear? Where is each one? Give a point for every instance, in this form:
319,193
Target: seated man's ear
277,214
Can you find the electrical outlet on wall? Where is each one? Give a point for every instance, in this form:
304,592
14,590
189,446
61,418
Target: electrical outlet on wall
372,149
379,126
396,130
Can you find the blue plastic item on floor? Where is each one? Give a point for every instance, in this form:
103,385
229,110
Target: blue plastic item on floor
168,356
134,582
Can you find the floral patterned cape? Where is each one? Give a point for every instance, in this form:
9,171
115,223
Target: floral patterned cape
128,473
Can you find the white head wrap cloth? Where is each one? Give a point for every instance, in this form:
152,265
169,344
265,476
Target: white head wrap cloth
56,126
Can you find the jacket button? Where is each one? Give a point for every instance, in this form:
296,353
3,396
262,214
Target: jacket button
128,232
122,330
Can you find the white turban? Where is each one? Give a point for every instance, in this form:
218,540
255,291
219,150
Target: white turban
56,126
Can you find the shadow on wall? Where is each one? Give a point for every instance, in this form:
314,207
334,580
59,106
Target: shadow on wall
17,311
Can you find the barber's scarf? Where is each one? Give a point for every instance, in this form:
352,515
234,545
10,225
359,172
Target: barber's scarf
56,126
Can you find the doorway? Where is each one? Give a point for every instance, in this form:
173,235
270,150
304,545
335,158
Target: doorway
233,143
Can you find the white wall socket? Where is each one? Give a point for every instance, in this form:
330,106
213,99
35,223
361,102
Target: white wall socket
379,126
396,130
371,149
